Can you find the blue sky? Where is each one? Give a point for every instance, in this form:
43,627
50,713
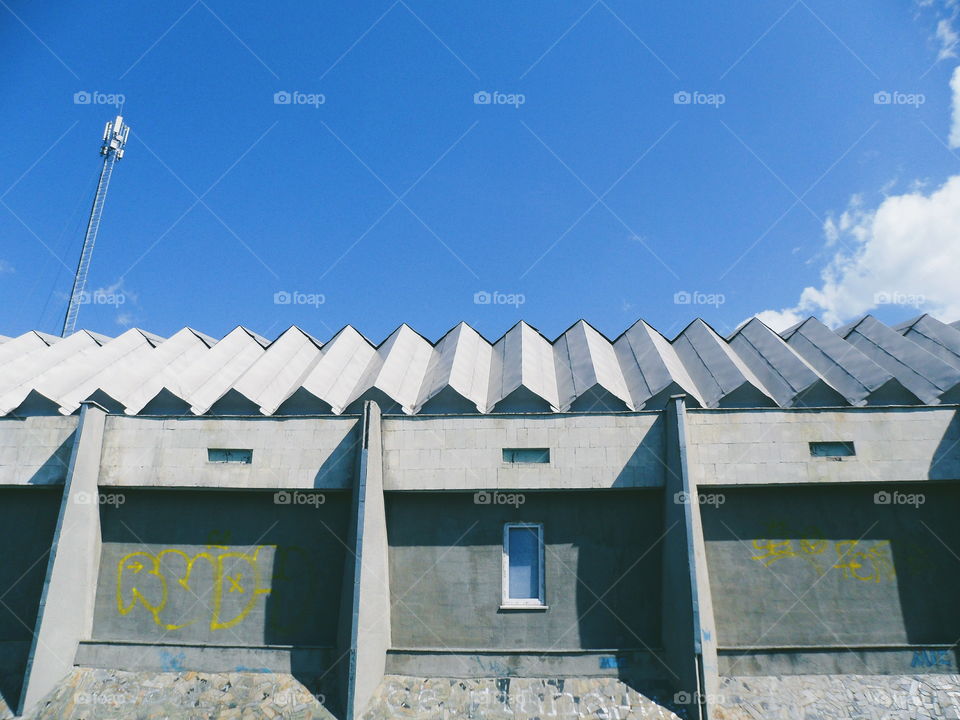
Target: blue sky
398,198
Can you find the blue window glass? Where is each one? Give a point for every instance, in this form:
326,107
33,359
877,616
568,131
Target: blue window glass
524,570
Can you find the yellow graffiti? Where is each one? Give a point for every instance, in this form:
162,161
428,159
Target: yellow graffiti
147,569
867,562
867,565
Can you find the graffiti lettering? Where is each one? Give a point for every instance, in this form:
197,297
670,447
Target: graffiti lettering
931,658
866,561
867,565
147,578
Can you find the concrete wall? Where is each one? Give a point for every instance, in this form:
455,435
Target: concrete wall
586,451
35,450
445,571
370,606
772,446
287,453
829,566
262,573
28,517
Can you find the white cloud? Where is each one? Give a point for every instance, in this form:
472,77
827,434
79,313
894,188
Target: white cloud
954,139
903,252
948,39
5,267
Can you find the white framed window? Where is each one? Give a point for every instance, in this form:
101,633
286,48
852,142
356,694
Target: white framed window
523,575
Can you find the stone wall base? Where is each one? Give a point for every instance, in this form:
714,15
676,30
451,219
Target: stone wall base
832,697
120,695
510,698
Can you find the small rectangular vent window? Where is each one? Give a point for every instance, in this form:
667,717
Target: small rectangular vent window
526,455
229,455
832,449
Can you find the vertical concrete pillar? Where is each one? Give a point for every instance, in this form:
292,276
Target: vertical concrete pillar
369,637
689,638
66,604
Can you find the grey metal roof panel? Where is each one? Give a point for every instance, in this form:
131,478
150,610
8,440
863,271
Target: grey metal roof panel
935,337
582,370
924,374
586,361
461,363
787,376
844,366
717,371
651,368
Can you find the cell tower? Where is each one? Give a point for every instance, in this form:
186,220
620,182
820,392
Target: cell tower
114,139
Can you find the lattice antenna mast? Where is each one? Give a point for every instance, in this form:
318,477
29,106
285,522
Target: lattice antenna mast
115,136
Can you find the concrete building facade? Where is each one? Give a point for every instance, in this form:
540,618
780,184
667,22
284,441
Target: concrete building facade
703,527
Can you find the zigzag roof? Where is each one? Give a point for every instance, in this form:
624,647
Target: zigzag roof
809,365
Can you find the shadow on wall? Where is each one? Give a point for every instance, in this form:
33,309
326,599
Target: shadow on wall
28,517
225,568
871,564
945,464
646,463
602,578
54,470
339,466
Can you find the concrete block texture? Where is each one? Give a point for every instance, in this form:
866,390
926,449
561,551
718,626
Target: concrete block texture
35,450
773,446
287,452
602,451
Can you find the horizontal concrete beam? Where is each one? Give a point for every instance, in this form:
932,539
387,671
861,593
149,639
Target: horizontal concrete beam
164,657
